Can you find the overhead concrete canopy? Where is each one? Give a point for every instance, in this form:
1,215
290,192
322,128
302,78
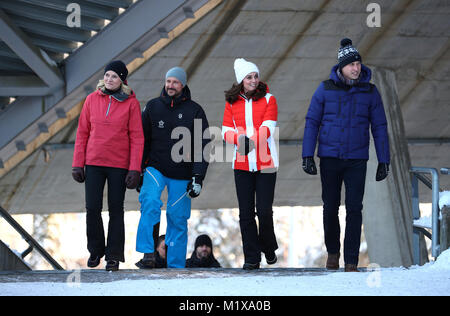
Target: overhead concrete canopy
295,44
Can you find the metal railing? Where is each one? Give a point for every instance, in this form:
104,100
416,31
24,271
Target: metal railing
33,244
433,184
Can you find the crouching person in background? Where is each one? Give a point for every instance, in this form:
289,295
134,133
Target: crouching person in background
202,256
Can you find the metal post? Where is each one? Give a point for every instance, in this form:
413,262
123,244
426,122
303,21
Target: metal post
435,251
435,244
416,215
445,221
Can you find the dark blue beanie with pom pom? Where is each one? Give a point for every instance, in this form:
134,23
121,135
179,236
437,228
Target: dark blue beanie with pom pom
347,53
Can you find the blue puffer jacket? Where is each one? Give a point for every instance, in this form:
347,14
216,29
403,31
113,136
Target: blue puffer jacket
340,115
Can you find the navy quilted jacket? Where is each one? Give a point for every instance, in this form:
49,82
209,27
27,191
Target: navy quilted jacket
339,117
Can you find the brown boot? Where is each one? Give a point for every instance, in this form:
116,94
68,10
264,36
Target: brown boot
333,261
351,268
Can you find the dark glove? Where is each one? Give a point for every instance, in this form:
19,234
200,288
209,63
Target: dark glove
141,182
245,145
309,166
78,174
382,171
194,186
132,179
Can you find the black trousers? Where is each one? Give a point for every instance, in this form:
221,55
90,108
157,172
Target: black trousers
96,178
351,172
262,186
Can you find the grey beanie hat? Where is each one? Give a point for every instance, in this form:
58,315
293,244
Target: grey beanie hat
178,73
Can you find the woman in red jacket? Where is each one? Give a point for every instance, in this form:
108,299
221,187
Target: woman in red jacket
108,147
249,123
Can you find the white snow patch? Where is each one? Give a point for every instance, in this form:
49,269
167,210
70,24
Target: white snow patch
424,221
444,199
430,279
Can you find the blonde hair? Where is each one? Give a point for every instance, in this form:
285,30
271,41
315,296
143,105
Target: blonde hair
125,89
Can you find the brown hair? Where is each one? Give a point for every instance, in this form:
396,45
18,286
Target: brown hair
232,94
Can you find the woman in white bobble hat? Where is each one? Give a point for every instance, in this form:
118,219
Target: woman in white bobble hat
249,124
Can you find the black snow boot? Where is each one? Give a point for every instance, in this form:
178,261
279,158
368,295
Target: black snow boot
93,261
271,257
250,266
112,265
147,262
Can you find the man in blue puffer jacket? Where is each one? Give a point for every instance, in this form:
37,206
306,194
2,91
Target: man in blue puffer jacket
341,111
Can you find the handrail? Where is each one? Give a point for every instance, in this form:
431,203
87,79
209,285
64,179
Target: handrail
33,244
416,172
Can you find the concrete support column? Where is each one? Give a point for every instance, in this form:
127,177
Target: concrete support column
387,208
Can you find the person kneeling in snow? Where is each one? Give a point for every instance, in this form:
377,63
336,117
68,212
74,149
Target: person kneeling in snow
202,256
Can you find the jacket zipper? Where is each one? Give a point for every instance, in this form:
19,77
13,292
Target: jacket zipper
109,105
339,107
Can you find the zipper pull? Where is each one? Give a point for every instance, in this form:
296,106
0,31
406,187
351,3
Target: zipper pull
109,105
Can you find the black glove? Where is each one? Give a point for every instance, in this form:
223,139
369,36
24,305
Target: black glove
382,171
141,182
309,166
132,179
245,145
78,174
194,186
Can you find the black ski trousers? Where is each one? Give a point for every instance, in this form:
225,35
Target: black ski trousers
351,172
96,178
259,185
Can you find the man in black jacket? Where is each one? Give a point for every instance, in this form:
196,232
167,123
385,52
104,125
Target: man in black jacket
175,137
202,256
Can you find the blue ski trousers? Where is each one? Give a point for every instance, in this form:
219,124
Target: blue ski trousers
177,213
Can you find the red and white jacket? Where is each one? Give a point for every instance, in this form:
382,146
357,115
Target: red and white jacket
257,120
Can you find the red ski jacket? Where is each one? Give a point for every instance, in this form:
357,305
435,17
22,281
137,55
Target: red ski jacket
110,132
257,120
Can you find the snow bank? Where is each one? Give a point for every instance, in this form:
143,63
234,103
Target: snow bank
424,221
442,262
444,199
430,279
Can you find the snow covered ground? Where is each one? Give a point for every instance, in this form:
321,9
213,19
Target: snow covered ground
430,279
444,199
